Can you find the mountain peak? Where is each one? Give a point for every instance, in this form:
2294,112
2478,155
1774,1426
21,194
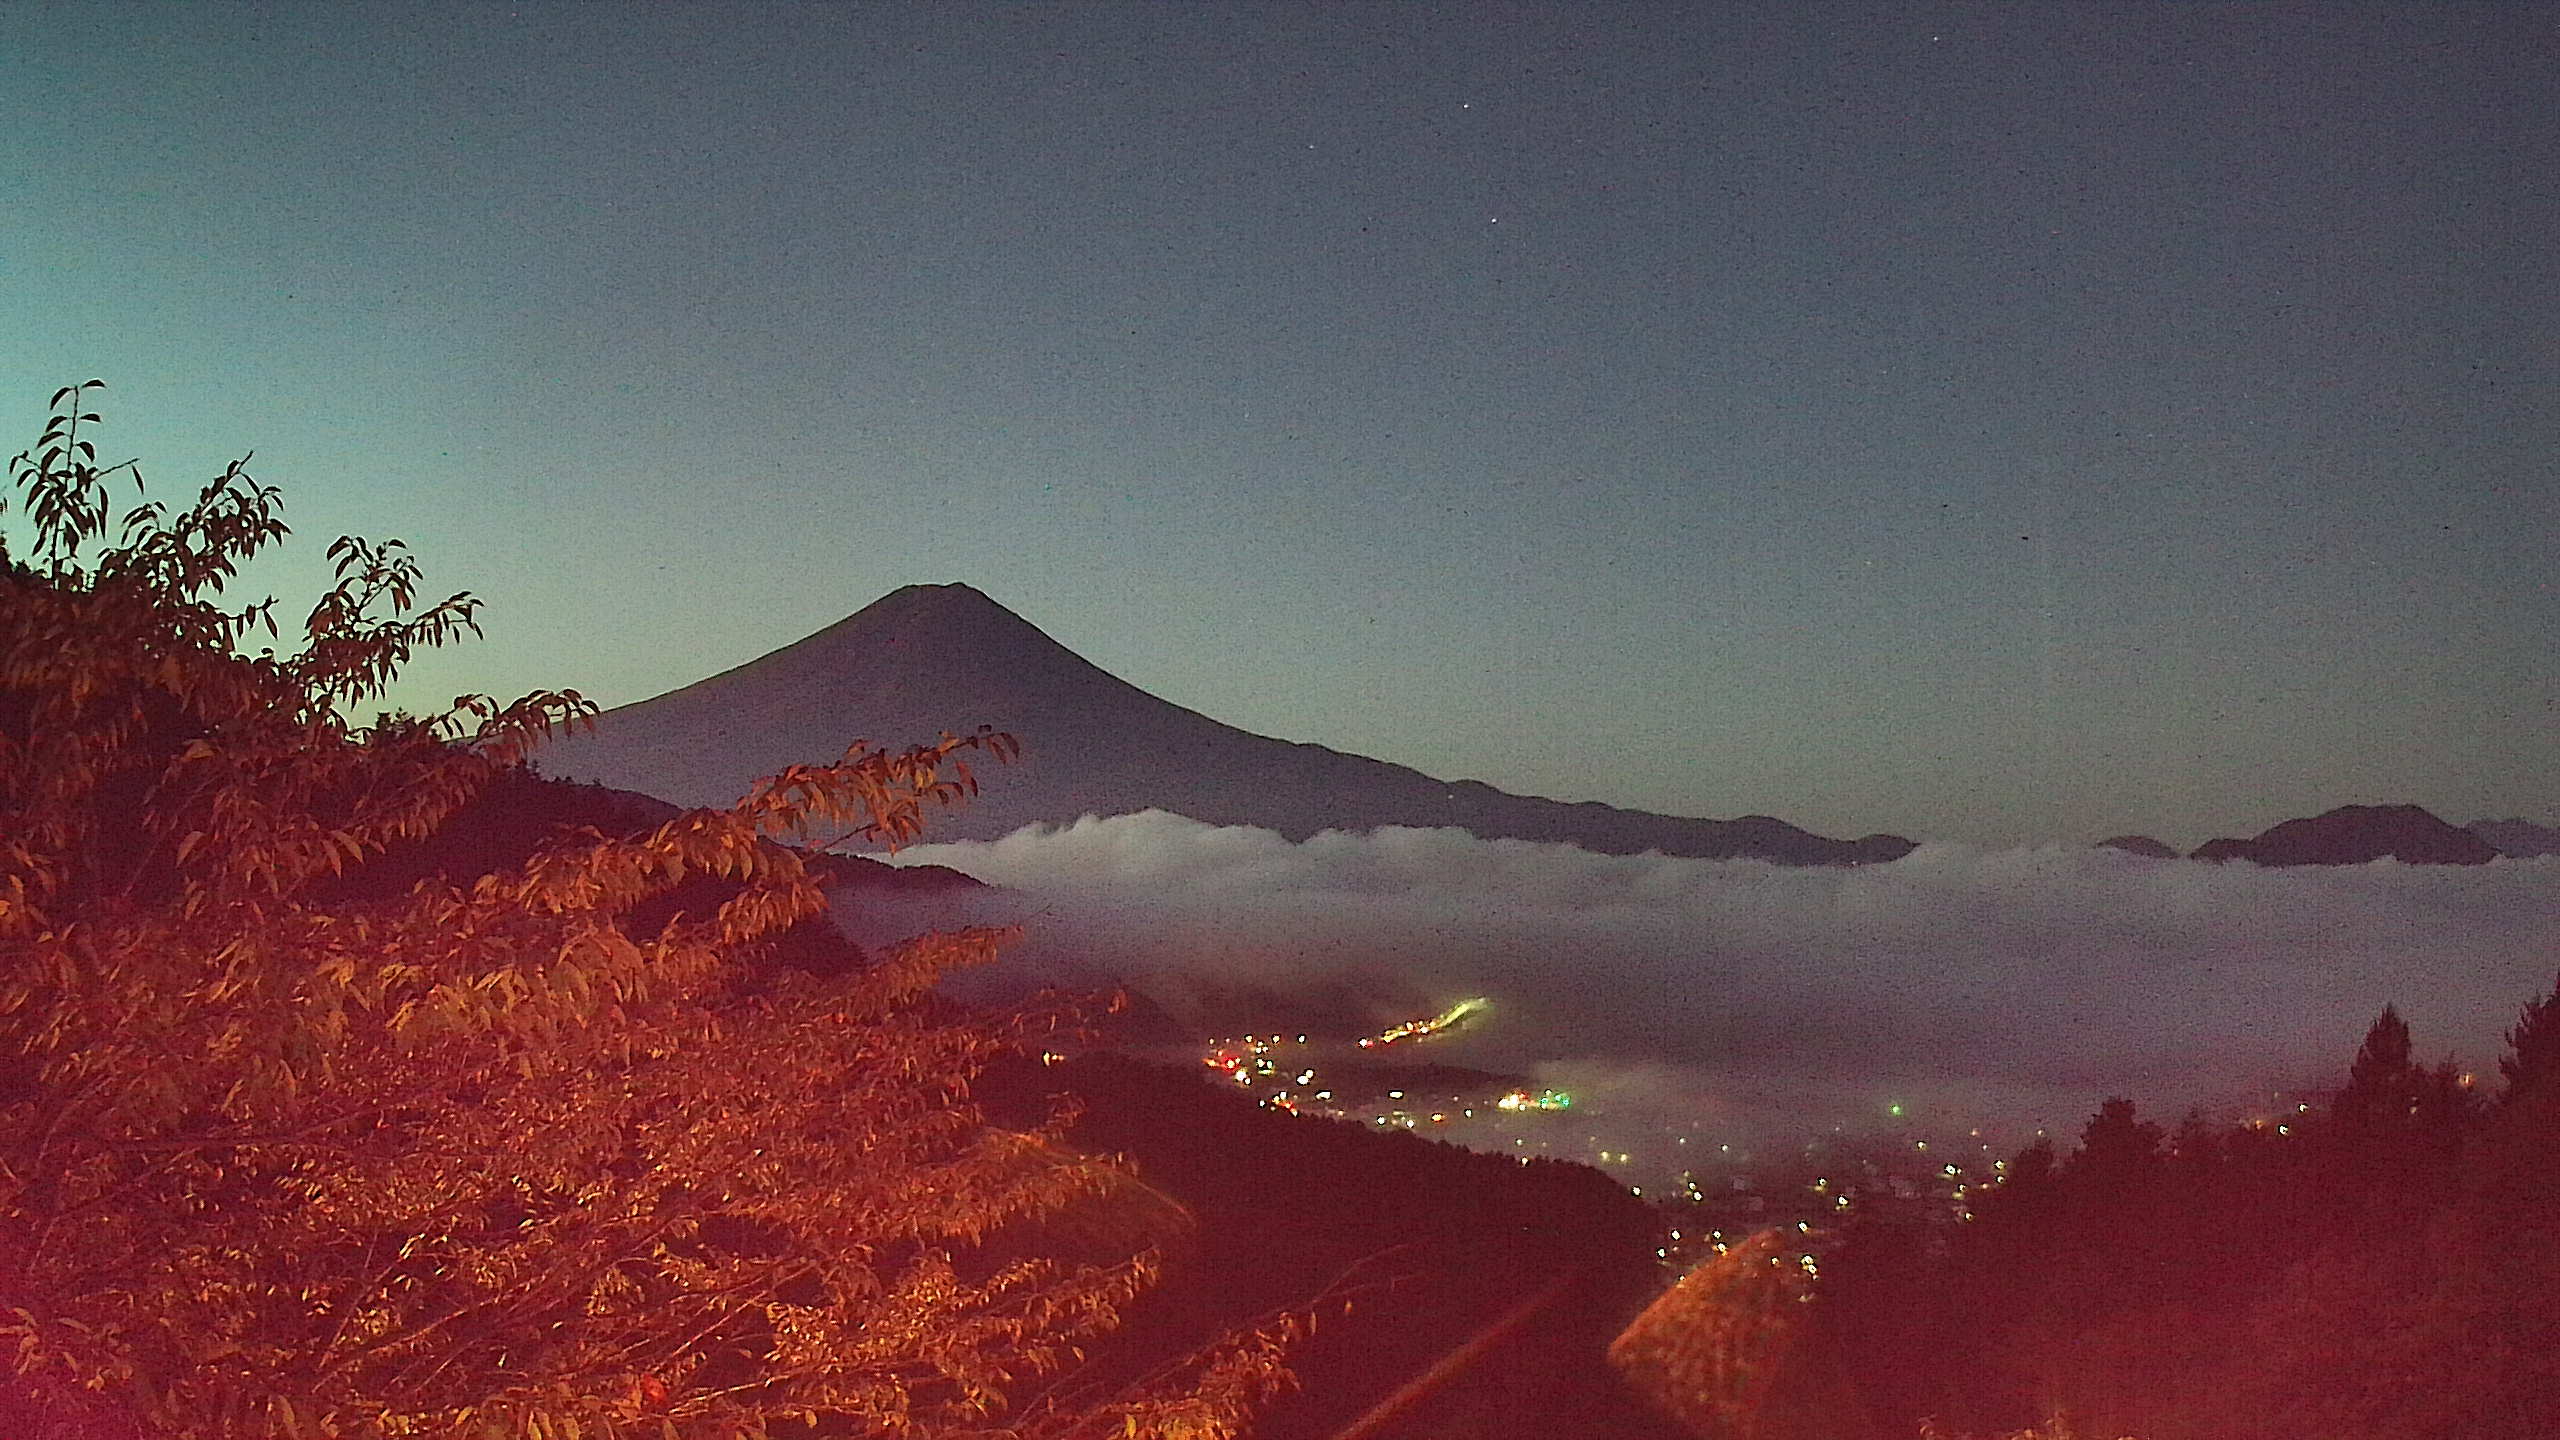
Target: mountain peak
924,659
951,647
2356,835
960,611
953,596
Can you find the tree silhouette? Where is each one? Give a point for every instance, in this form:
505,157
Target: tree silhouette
2383,1272
533,1153
2533,1046
2116,1151
2382,1085
2030,1170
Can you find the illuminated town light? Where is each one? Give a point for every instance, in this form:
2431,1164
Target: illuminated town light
1429,1025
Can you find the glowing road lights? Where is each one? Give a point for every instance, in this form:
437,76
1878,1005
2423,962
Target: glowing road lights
1429,1025
1831,1182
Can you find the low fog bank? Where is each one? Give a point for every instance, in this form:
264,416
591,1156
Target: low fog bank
2006,988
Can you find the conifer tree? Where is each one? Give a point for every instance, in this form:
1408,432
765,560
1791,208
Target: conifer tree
489,1159
2117,1151
2533,1046
2382,1085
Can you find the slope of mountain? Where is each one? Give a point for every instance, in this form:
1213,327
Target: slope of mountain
2353,835
2520,838
2142,845
519,813
929,658
1441,1242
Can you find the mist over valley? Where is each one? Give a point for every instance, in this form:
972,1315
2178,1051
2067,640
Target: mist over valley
1714,980
2007,990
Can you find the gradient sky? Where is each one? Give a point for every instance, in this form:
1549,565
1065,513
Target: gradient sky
1986,423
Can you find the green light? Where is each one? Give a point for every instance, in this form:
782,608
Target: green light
1894,1109
1458,1012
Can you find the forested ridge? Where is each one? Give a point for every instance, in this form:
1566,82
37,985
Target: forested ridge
2383,1265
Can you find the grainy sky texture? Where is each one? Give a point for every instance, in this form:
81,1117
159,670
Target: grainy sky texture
1987,423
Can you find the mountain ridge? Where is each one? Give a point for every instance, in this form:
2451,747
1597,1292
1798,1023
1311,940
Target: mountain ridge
924,659
2356,835
2519,838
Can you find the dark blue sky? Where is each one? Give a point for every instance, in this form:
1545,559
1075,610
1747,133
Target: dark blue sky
1993,423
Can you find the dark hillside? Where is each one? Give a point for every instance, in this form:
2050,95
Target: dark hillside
1435,1244
1256,1211
519,813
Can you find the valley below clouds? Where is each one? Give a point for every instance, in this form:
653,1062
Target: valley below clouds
2000,988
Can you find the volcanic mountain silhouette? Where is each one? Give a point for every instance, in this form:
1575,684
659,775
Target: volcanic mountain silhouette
930,658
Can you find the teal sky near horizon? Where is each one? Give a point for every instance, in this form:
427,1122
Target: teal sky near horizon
1982,423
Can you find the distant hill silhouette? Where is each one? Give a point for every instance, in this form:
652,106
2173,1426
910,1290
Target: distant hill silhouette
519,813
2354,835
2142,845
2520,838
930,658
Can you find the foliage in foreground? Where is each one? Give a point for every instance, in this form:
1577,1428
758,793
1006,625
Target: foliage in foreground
2383,1267
523,1156
1732,1351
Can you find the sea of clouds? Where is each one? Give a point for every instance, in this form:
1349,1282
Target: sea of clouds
2006,988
